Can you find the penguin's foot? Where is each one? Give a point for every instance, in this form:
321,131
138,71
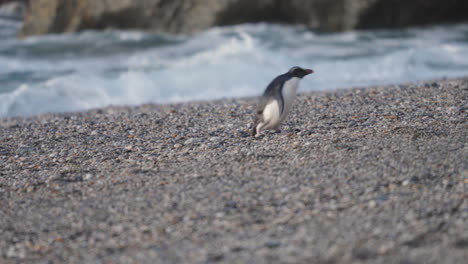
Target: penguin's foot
259,133
257,130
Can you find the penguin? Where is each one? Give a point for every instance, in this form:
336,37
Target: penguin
276,101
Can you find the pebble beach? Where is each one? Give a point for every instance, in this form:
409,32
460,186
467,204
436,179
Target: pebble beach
362,175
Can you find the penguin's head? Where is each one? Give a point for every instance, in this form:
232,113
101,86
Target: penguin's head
299,72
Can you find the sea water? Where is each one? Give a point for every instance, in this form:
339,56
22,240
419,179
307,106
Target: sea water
70,72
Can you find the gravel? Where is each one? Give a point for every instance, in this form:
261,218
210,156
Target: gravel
364,175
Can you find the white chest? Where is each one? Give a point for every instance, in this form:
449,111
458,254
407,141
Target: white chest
289,94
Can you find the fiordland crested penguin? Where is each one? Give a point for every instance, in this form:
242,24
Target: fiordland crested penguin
277,100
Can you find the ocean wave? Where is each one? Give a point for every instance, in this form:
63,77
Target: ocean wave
72,72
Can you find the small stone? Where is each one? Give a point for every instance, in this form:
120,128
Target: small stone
243,134
414,179
94,133
216,140
128,148
118,229
53,178
384,249
237,249
272,244
15,251
219,214
215,257
191,141
363,254
88,176
372,204
177,146
405,183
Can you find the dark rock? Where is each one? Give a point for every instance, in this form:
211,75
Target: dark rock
272,244
414,179
462,243
363,254
215,257
243,134
187,16
400,13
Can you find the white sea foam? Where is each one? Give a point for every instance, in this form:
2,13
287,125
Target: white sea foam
93,69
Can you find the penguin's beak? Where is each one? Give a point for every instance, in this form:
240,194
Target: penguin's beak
309,71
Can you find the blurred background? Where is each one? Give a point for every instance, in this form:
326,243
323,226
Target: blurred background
68,55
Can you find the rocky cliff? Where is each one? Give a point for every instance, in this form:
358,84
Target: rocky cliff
186,16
